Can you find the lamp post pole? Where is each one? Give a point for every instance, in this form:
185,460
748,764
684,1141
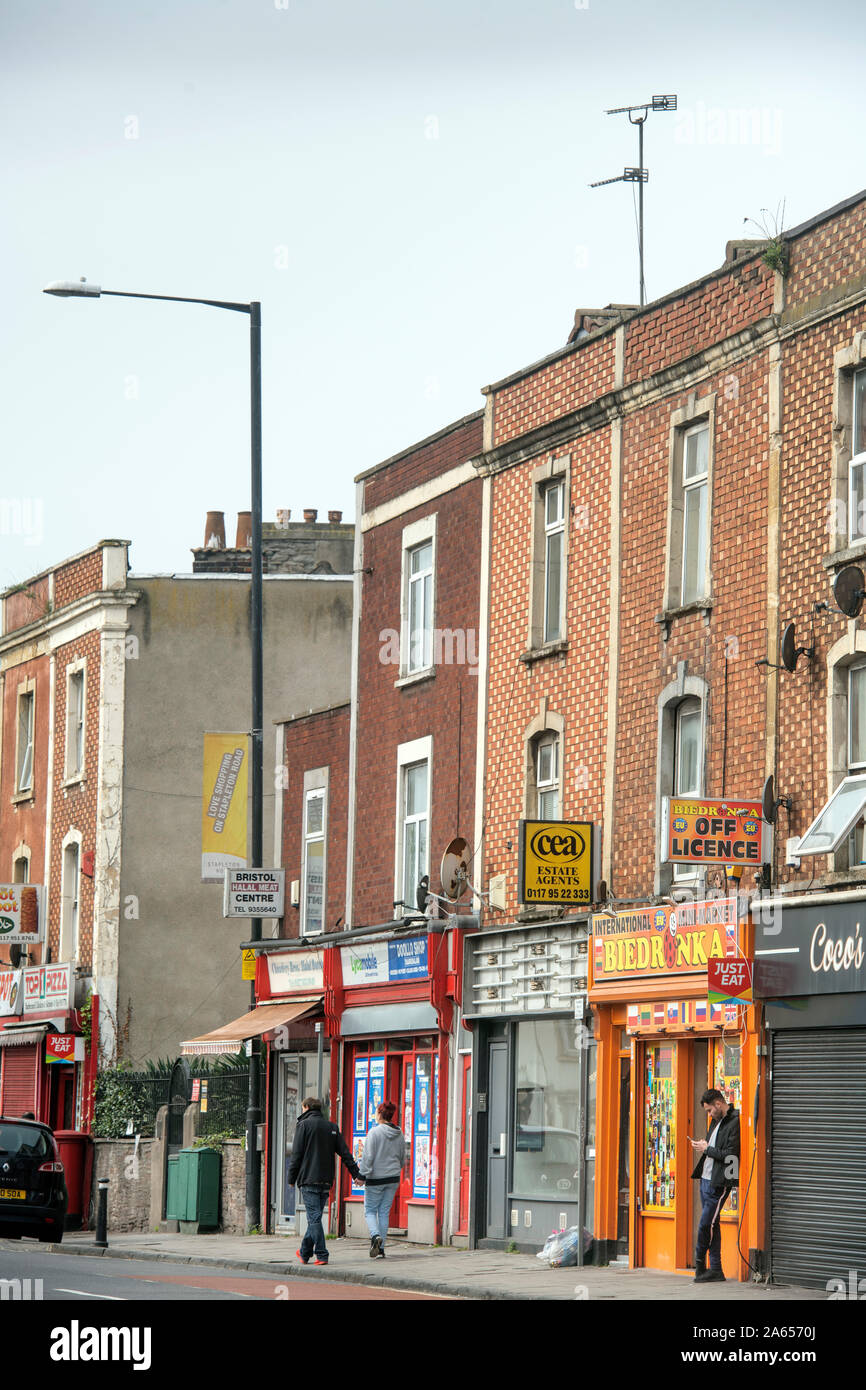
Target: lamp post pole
81,289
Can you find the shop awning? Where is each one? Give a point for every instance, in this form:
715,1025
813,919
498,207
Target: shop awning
262,1020
18,1035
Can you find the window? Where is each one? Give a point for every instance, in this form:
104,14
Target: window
420,576
21,866
838,827
69,902
418,598
857,466
687,765
694,483
547,602
414,830
313,872
547,778
690,503
24,761
554,561
74,723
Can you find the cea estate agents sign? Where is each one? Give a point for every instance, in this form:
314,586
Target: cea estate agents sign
555,864
254,893
385,962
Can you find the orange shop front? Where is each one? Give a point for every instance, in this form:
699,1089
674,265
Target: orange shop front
660,1046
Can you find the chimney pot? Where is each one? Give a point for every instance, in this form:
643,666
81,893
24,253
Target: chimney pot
335,517
215,531
310,513
244,539
284,516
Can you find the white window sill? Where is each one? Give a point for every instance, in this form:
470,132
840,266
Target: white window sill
669,616
77,779
415,678
854,550
29,795
558,648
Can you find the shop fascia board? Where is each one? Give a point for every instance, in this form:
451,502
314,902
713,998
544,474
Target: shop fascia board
385,931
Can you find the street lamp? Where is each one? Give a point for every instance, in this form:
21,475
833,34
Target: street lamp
81,289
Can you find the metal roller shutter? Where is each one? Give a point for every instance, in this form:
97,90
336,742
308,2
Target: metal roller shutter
818,1155
18,1091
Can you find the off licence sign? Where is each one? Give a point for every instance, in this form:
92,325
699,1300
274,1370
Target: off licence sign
717,832
555,862
729,981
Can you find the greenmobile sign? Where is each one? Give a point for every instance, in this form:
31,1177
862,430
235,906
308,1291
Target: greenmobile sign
556,862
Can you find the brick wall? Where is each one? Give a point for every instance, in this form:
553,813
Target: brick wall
77,578
555,389
425,461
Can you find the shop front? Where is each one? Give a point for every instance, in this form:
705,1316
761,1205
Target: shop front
394,1010
44,1069
810,972
532,1082
661,1044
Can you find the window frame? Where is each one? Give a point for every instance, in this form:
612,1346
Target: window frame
416,536
554,530
697,416
553,475
26,697
75,677
842,523
70,899
551,785
308,838
857,460
417,753
677,697
698,484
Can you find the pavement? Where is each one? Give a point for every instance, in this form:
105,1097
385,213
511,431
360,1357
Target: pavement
448,1271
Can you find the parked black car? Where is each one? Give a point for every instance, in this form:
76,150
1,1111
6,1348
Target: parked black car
32,1183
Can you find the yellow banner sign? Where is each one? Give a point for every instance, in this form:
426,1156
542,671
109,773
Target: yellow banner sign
663,940
555,862
224,806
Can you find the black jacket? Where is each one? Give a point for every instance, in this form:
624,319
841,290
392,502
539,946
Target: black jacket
317,1142
725,1153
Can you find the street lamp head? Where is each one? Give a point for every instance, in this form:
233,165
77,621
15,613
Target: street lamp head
69,289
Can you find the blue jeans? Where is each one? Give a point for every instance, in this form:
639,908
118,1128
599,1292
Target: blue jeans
377,1205
709,1230
315,1200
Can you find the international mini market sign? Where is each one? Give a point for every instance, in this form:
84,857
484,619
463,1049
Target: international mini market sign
729,831
649,942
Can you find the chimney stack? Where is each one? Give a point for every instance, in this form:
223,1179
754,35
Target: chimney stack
215,531
310,514
244,539
284,516
335,518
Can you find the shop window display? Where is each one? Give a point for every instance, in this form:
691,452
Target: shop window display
659,1127
546,1157
726,1078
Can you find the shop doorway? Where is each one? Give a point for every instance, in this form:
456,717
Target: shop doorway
465,1146
296,1077
624,1164
497,1139
697,1124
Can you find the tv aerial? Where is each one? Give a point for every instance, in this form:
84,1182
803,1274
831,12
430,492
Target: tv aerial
849,591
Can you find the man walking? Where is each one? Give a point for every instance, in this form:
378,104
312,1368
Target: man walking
718,1169
311,1167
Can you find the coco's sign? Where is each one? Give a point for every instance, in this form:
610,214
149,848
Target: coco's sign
555,863
814,949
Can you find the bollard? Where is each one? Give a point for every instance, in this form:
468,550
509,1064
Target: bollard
102,1215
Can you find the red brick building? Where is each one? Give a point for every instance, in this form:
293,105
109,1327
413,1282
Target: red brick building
373,795
669,492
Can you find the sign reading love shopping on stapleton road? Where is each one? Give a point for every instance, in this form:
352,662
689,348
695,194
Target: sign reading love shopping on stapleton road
555,864
727,831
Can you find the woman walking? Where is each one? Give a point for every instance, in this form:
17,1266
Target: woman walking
381,1165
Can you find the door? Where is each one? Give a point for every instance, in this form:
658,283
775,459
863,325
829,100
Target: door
497,1139
288,1109
465,1144
624,1152
697,1121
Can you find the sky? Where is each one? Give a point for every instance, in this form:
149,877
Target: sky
403,185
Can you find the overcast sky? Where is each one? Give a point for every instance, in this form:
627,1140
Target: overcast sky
403,185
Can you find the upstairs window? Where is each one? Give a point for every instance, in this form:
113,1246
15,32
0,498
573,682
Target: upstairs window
695,471
548,804
69,905
857,466
554,561
24,757
420,605
313,873
688,781
75,724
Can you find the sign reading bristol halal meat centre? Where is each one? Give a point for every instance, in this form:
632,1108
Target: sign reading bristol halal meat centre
645,942
728,831
555,862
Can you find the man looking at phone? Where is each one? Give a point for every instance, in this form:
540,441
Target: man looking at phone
718,1169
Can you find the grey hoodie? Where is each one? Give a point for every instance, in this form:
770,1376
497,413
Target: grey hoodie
384,1154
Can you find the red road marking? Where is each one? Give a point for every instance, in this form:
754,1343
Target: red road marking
290,1290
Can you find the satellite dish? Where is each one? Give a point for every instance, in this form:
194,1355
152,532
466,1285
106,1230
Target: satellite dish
791,653
455,869
848,590
769,808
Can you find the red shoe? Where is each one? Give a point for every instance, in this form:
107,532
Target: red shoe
301,1258
318,1262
